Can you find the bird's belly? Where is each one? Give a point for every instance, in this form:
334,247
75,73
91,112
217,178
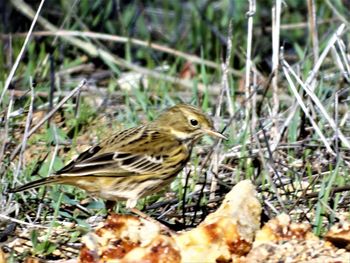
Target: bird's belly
116,189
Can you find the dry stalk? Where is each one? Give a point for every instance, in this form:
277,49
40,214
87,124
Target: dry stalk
276,23
20,222
319,62
335,11
247,88
310,79
336,120
286,70
314,41
21,160
302,25
318,103
344,62
313,28
49,115
103,54
5,133
120,39
20,55
224,89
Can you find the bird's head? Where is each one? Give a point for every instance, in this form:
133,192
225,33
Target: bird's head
187,122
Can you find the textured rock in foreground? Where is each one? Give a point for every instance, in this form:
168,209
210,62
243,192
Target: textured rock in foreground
227,233
224,235
339,235
281,240
128,239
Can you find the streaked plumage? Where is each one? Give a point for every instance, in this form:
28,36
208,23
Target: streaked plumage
138,161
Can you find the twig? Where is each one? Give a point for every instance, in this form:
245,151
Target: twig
318,103
250,14
333,191
311,78
336,120
302,25
312,27
287,68
341,18
314,40
319,62
276,22
224,89
343,60
5,135
19,57
120,39
197,206
104,55
270,164
49,115
21,222
225,71
184,197
25,134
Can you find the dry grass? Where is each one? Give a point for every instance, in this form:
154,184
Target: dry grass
288,129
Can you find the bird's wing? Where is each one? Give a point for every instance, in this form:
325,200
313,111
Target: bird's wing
83,156
123,155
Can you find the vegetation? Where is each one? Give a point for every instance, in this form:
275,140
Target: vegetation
287,119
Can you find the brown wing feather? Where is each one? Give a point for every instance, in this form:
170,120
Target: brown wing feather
125,154
135,152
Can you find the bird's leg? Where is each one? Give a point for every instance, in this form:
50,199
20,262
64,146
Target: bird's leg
109,204
154,221
131,203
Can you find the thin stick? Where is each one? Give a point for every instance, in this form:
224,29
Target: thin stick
318,103
250,14
19,57
134,41
25,134
302,25
314,40
304,108
224,89
226,70
344,59
313,28
6,126
21,222
271,166
336,120
104,55
333,191
319,62
276,23
340,16
49,115
314,71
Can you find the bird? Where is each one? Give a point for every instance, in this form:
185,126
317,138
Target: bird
136,162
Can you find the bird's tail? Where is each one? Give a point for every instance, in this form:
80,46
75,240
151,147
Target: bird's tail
37,183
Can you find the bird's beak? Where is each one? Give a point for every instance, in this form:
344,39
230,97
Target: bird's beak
214,133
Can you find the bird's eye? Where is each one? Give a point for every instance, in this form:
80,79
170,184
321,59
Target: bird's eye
194,122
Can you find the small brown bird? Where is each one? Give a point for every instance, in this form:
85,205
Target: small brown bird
138,161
